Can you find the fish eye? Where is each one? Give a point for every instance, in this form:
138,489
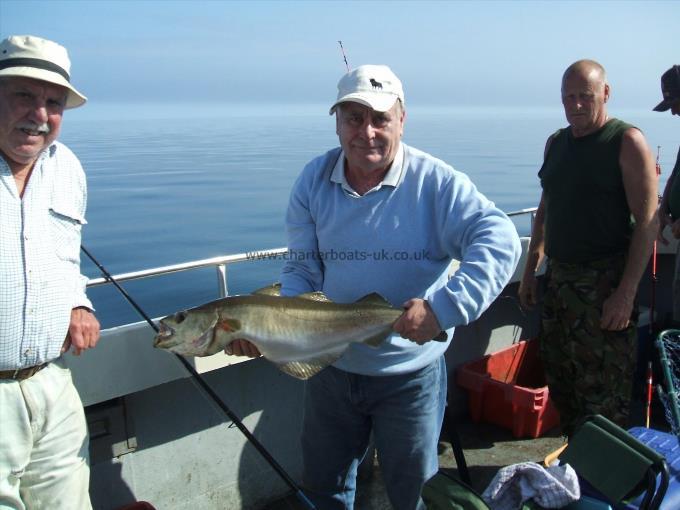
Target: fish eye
180,316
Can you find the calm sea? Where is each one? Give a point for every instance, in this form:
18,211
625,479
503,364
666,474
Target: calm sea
171,184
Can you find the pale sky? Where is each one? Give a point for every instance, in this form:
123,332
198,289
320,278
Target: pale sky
446,53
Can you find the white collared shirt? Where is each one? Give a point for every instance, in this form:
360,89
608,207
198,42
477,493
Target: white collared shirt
40,280
391,177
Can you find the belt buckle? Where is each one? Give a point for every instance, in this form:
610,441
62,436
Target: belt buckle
16,372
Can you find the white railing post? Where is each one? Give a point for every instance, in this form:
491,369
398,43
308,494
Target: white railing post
222,288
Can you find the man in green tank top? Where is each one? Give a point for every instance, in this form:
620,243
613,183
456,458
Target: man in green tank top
669,209
596,224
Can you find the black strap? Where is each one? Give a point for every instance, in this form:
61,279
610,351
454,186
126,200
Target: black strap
456,446
35,62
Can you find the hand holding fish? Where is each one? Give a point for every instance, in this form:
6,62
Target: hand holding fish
418,323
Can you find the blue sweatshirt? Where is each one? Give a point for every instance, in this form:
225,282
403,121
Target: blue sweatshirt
398,240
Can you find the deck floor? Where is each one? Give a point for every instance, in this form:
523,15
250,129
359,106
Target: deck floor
487,448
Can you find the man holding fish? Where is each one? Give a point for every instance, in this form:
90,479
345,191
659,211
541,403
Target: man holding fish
410,215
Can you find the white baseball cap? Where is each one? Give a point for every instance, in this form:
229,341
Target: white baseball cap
375,86
33,57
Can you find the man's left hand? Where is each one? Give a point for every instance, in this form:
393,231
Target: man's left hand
83,331
616,311
418,323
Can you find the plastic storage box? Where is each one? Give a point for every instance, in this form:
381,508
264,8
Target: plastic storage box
667,445
508,388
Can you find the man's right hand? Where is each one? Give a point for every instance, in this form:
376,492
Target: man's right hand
240,347
527,291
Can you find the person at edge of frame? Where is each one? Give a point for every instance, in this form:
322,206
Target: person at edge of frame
44,311
669,208
597,173
376,194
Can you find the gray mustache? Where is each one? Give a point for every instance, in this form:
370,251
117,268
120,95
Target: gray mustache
41,128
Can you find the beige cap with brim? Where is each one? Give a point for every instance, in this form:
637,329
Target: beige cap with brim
375,86
33,57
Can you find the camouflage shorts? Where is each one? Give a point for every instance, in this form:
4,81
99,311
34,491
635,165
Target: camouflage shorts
588,370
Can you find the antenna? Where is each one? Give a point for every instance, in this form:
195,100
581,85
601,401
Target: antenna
343,55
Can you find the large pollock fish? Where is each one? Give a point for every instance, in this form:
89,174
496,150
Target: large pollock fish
302,335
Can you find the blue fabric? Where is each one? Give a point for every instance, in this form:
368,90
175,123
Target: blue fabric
405,414
399,241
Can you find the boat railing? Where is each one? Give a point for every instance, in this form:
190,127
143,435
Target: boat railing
220,263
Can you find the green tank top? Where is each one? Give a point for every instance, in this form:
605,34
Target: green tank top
674,192
586,213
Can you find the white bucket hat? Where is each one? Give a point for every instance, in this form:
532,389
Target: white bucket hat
375,86
40,59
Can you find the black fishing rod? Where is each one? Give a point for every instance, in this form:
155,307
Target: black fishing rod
211,393
343,55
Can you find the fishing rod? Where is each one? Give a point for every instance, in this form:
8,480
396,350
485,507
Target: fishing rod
211,393
652,304
649,377
343,55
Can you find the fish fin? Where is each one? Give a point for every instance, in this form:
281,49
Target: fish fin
202,343
300,369
229,325
306,369
270,290
374,299
315,296
441,337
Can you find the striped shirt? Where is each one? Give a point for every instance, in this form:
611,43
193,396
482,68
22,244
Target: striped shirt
40,280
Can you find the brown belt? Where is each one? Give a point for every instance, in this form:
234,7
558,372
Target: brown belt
21,373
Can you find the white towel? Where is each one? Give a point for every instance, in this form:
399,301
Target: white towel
552,487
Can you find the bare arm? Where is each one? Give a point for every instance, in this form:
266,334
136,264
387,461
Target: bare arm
535,254
641,187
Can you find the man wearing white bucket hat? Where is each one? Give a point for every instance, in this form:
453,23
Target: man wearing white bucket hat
376,215
44,311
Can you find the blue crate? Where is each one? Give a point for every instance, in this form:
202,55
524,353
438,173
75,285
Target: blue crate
667,445
588,503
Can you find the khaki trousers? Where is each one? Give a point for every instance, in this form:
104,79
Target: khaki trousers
43,443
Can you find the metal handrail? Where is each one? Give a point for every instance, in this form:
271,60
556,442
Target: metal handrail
528,210
221,263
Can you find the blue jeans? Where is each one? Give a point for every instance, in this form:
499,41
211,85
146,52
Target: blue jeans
405,414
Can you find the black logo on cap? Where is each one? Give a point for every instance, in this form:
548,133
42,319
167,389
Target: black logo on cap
376,84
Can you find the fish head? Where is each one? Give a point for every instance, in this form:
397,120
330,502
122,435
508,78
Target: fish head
187,332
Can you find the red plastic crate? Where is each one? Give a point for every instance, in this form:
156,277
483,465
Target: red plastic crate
508,388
